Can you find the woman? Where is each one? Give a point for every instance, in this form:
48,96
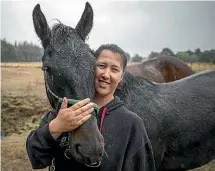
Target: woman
126,143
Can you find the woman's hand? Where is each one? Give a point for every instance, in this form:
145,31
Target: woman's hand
70,118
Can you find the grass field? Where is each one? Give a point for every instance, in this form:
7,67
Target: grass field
22,64
23,104
201,66
196,67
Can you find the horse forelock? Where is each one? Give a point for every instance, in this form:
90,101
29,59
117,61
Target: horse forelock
65,39
61,35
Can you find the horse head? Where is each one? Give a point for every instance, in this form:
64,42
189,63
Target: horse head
69,68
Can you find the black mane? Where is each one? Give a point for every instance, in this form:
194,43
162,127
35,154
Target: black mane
130,81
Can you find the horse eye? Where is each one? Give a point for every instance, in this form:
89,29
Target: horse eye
50,50
45,68
50,53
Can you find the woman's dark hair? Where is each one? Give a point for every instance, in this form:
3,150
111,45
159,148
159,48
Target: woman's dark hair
113,48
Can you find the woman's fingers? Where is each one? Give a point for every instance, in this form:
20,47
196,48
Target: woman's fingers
74,116
81,121
64,103
84,109
79,116
80,104
80,111
88,112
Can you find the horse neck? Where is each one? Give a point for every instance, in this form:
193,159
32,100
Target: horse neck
131,81
131,85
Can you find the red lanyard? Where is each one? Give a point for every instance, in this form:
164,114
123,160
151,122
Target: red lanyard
102,119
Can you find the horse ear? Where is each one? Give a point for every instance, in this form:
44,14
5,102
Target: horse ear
85,24
40,25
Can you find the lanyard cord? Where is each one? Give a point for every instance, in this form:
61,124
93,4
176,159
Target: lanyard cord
102,119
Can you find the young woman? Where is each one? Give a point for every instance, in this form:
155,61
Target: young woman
126,143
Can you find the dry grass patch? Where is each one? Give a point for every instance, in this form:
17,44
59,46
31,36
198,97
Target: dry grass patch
22,64
201,66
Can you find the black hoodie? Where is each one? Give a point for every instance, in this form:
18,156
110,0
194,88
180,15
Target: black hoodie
126,143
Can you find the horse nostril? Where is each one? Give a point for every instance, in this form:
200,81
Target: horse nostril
88,160
76,149
86,154
101,154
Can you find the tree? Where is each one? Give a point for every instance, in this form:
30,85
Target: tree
207,56
20,52
15,44
137,58
8,53
198,51
153,55
167,52
190,52
185,56
128,56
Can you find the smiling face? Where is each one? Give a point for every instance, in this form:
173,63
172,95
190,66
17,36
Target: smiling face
109,72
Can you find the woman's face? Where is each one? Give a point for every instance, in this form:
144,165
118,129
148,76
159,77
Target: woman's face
109,72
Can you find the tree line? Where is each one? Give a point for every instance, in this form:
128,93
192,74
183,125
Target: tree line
20,52
187,56
29,52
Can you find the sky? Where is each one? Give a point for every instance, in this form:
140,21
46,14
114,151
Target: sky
136,26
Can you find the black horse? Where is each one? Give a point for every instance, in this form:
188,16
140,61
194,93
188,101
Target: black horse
66,59
179,116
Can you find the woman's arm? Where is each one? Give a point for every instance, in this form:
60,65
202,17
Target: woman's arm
40,144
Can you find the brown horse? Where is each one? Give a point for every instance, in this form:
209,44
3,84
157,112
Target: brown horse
161,69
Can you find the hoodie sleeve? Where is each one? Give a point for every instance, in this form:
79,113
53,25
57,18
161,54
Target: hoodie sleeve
139,155
40,144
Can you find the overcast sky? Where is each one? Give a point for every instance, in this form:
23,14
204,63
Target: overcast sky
137,27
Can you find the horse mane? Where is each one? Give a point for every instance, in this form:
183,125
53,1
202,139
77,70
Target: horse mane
130,81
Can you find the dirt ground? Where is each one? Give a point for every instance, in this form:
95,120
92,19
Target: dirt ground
23,103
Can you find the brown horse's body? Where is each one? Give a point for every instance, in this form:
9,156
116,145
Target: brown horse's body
161,69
